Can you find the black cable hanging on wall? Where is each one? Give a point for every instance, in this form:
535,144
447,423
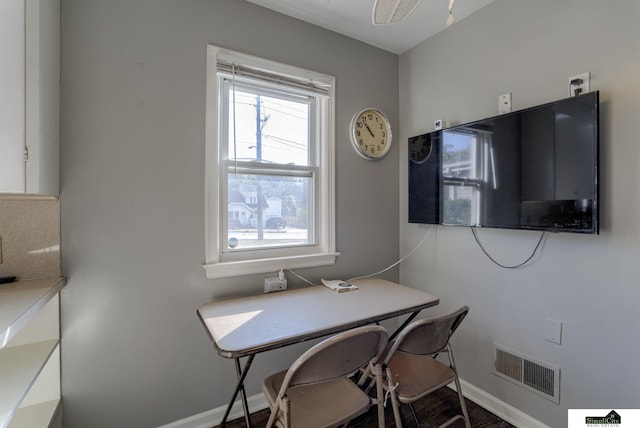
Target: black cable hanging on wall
535,251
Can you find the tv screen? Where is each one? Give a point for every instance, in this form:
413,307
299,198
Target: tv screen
535,169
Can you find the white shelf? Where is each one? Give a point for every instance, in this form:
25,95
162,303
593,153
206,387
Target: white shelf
29,353
21,301
38,415
19,369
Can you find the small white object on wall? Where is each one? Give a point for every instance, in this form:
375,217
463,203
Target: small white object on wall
504,103
579,84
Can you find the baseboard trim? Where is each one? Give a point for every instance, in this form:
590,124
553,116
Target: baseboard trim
498,407
212,417
257,402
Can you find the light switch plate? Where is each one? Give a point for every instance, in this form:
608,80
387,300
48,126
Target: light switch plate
553,331
504,103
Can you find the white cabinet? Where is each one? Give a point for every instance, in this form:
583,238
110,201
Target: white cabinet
30,354
29,101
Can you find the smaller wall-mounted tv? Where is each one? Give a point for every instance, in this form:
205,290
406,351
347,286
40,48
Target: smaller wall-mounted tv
533,169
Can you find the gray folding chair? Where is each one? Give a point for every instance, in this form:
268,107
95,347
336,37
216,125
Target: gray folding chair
316,391
412,370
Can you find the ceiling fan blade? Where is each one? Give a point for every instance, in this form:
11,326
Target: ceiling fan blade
450,18
390,11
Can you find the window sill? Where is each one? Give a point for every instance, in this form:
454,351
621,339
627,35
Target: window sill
248,267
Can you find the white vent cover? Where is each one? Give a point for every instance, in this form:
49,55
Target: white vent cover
540,378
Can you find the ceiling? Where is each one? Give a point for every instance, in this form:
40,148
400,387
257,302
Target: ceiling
353,18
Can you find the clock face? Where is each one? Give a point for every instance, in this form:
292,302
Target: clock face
371,133
420,148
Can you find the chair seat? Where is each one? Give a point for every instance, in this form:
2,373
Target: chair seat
326,404
418,375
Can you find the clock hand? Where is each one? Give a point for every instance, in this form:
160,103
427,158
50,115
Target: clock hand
369,129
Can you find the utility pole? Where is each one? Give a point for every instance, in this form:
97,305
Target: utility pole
260,207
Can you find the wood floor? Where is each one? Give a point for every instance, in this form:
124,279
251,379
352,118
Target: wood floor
432,411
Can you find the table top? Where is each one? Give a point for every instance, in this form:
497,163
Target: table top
249,325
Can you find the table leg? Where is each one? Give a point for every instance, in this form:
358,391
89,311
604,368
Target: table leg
404,324
242,374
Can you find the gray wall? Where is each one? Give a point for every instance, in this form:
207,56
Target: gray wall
132,184
590,283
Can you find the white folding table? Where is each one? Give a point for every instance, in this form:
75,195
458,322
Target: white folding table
246,326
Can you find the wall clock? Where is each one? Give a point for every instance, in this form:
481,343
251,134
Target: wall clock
370,133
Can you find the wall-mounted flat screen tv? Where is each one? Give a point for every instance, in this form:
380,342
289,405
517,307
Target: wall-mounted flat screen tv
534,169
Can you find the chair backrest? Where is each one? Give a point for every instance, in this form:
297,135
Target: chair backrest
428,336
337,356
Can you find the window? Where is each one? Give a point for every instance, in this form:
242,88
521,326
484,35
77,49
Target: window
269,162
467,171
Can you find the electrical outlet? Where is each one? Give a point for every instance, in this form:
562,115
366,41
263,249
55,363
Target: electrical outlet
579,84
504,103
274,284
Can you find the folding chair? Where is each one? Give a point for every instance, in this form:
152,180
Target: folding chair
316,391
412,370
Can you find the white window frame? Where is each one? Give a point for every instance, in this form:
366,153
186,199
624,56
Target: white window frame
219,264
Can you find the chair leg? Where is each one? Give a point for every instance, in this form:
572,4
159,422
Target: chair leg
286,412
272,416
377,371
463,405
364,382
394,400
415,416
465,413
283,410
